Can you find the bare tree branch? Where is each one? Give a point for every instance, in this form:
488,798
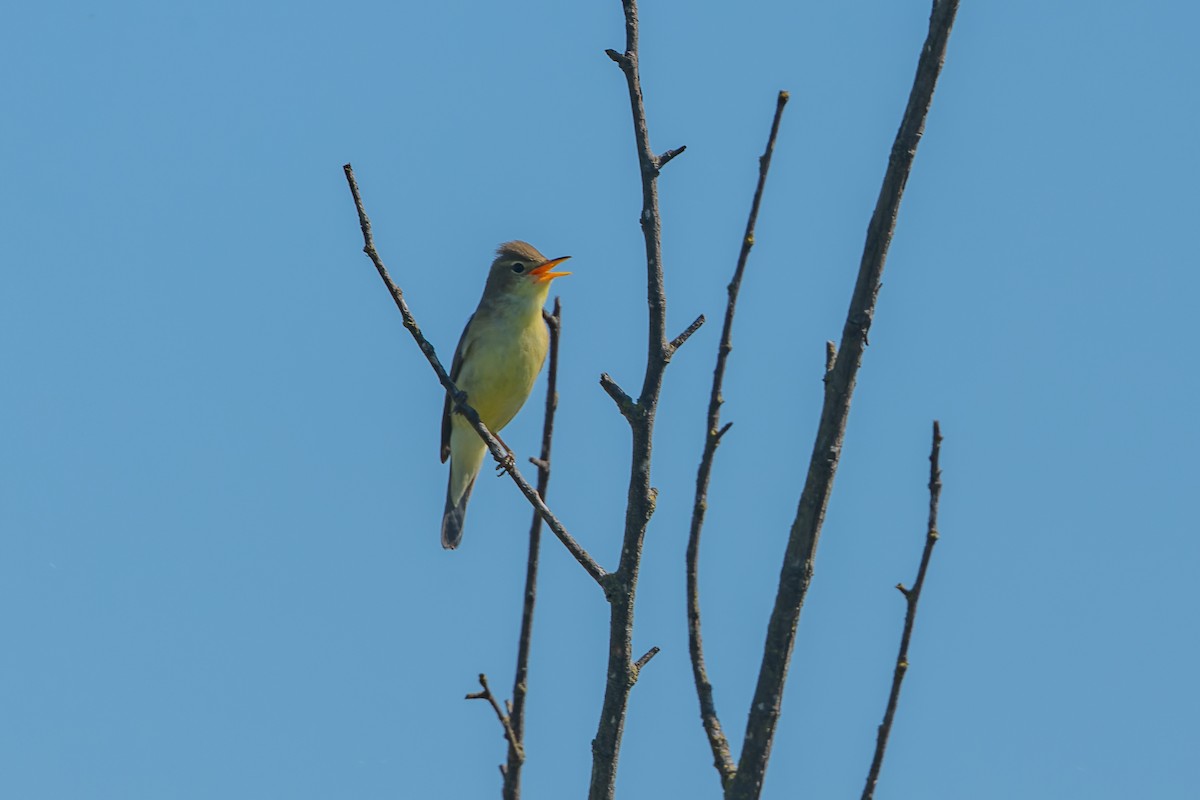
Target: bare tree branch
625,403
645,659
516,714
622,672
678,341
797,569
911,598
498,451
486,694
722,759
665,158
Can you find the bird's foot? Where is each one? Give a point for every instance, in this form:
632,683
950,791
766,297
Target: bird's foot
506,465
509,461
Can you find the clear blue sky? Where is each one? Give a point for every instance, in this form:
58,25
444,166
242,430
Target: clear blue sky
220,573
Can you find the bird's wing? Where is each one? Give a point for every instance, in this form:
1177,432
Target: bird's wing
455,369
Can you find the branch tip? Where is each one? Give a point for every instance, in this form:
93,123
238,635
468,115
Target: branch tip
668,156
505,722
624,402
644,660
678,341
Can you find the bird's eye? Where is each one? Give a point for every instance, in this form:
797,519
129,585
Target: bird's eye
518,267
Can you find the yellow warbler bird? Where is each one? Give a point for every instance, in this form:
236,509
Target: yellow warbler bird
498,358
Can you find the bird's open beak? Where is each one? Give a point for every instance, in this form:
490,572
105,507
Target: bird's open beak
542,272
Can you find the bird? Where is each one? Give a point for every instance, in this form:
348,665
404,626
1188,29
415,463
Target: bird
498,357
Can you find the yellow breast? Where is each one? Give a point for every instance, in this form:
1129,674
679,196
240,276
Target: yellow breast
501,361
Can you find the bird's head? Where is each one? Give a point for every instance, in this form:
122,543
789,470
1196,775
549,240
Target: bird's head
520,271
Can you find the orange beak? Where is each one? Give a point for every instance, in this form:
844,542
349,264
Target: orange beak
542,272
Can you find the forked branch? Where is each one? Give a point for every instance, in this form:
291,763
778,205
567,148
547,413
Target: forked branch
486,694
622,670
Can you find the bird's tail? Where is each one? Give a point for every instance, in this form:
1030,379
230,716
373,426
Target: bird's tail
452,518
464,468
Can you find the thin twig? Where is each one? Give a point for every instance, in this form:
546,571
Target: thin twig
624,402
665,158
516,755
486,694
678,341
722,758
911,598
797,569
645,659
499,452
